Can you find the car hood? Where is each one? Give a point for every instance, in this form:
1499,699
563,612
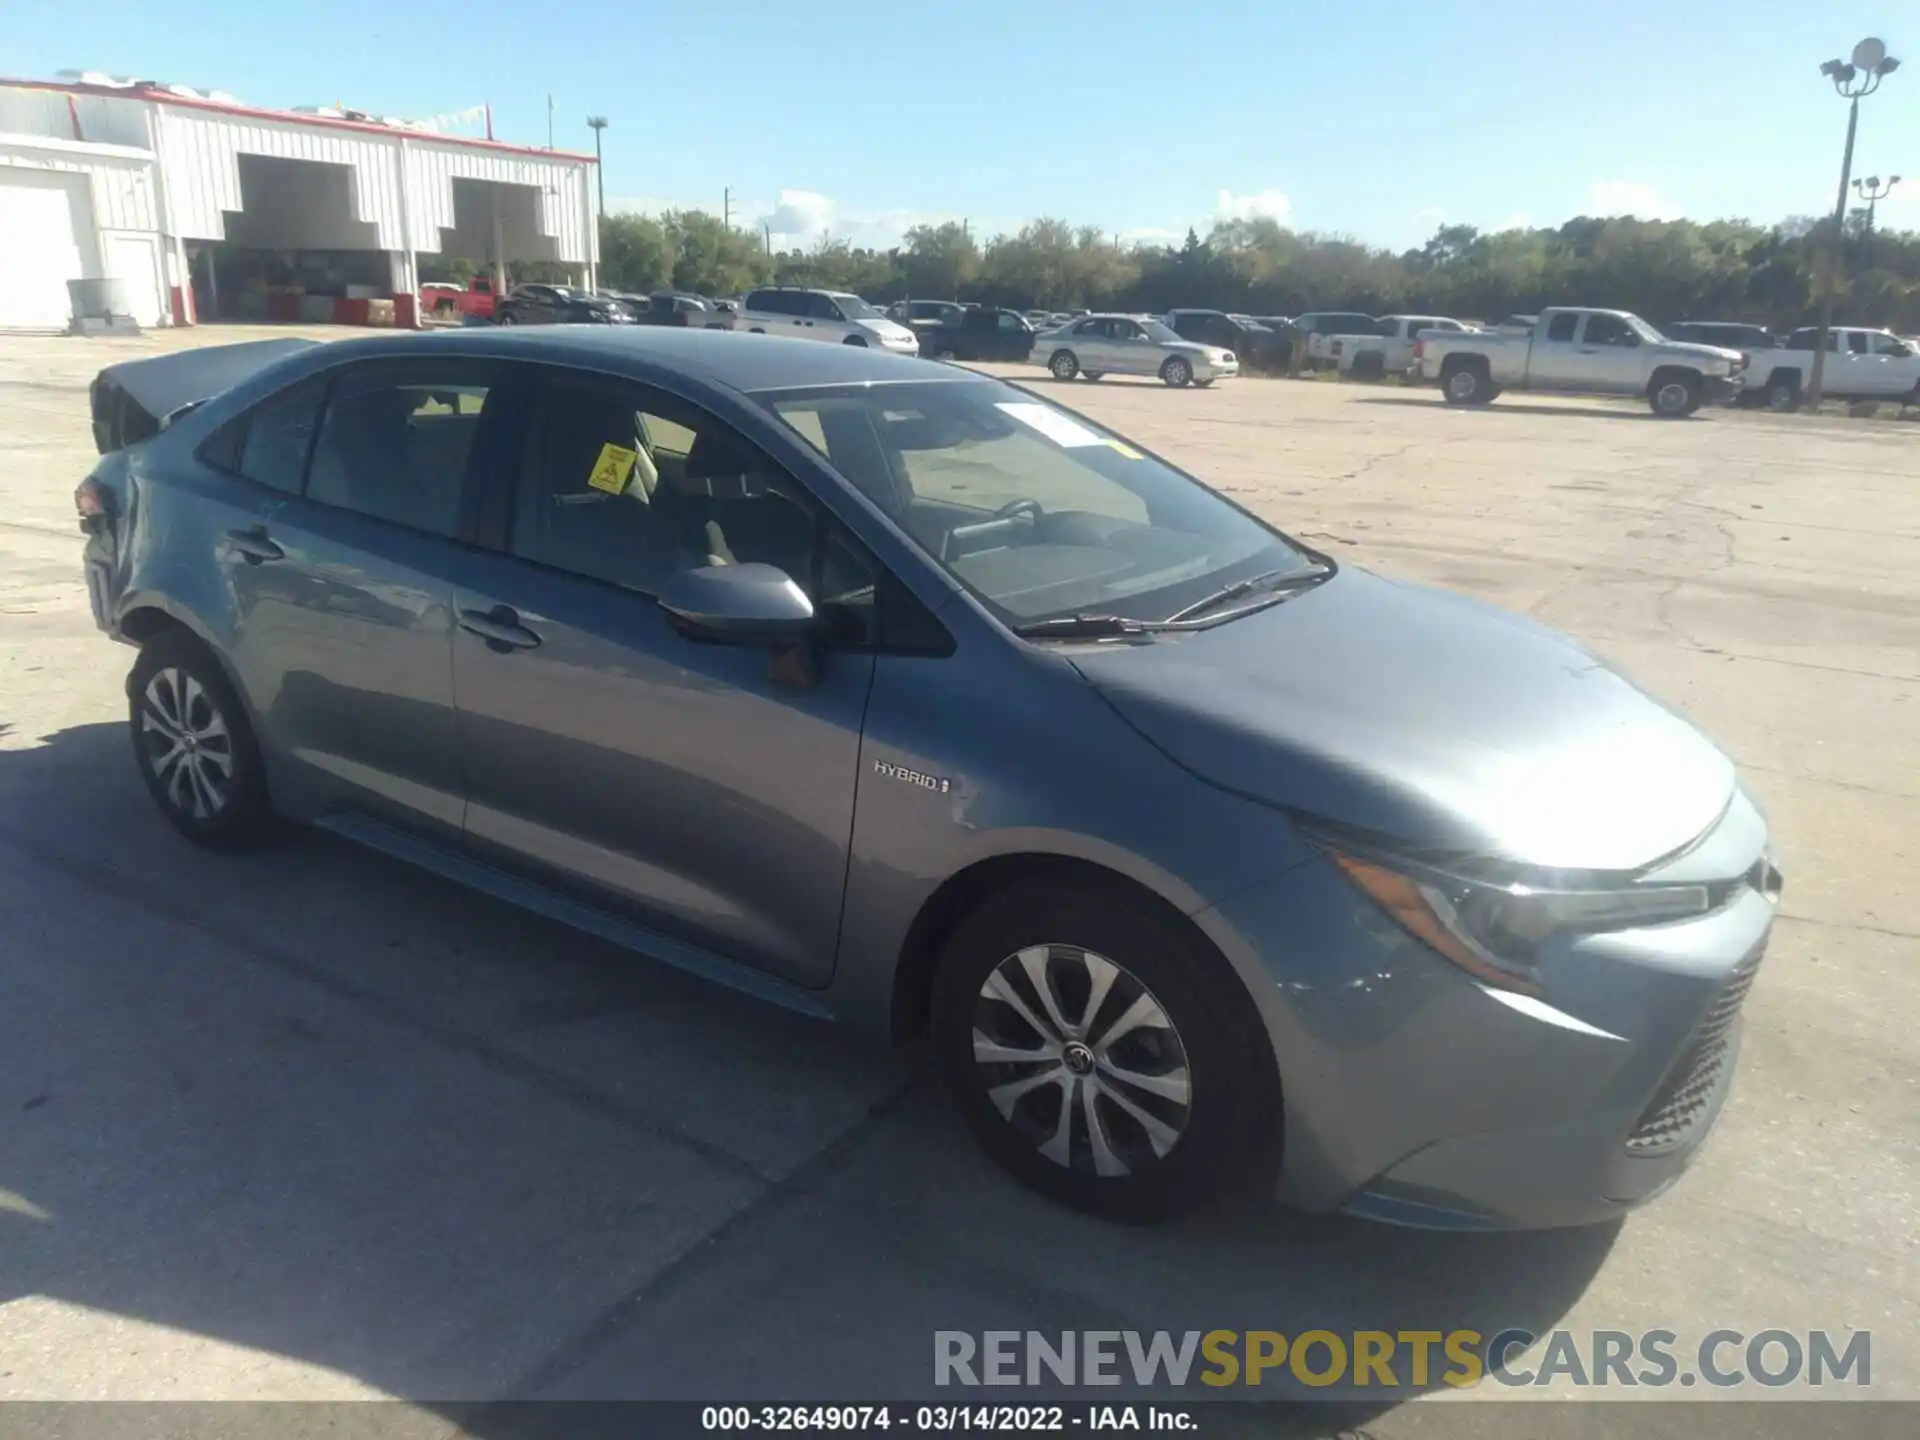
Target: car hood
891,329
1704,352
1427,718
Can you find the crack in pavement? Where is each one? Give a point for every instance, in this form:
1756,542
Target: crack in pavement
575,1351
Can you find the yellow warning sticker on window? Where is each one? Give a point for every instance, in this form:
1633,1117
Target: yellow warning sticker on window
613,469
1125,449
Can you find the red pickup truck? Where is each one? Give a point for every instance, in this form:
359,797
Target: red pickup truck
442,300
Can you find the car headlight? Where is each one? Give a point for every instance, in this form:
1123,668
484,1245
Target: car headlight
1494,929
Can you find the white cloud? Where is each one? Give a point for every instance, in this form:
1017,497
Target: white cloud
1268,204
1515,221
801,215
1154,235
1430,215
1629,197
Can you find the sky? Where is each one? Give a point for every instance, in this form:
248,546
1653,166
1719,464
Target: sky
859,118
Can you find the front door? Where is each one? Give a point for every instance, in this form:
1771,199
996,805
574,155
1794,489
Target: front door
1133,353
1610,350
703,790
344,591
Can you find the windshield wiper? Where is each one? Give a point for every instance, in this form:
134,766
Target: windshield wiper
1278,581
1087,627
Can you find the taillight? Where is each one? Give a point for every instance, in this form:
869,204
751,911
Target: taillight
94,504
1336,347
1419,348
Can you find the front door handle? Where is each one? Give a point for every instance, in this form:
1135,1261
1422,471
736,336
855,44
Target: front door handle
254,545
500,627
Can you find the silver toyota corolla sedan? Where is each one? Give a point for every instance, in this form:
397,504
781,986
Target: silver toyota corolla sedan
900,696
1131,345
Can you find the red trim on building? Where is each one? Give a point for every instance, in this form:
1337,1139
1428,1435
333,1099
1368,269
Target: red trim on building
288,117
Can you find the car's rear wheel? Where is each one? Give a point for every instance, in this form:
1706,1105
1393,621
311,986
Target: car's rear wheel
1176,372
1466,385
1063,365
194,745
1783,392
1101,1053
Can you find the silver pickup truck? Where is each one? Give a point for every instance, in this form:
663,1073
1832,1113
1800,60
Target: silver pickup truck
1580,351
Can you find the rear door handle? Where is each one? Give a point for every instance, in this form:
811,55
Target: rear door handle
254,545
500,627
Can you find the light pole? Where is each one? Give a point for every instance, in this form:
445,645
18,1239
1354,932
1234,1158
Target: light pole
1852,80
1873,192
597,123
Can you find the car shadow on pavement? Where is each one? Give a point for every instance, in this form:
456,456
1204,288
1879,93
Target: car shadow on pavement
1519,407
305,1122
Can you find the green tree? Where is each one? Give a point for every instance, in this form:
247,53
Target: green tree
939,261
636,253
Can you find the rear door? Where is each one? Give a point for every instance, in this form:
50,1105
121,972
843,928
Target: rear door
1554,362
698,789
343,586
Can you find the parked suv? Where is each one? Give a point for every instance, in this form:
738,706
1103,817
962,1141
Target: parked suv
831,315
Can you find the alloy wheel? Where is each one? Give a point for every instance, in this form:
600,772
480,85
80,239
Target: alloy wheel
186,743
1671,398
1081,1060
1461,384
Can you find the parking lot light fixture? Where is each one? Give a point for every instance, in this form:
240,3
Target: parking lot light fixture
1853,80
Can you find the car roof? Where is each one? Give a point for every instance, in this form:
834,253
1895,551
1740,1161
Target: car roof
728,358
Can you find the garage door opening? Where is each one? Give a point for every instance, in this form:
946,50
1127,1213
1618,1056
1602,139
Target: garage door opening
293,248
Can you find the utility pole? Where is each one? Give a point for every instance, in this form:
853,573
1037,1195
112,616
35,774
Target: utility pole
1853,80
766,228
726,207
550,122
597,123
1873,192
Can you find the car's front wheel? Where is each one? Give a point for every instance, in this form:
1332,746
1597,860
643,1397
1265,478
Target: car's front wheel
194,745
1063,365
1177,372
1102,1053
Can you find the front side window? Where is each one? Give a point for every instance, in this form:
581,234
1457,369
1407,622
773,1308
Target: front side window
820,307
852,307
1609,330
624,484
395,439
1891,345
1038,512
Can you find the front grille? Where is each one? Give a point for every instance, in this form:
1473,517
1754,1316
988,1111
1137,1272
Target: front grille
1682,1098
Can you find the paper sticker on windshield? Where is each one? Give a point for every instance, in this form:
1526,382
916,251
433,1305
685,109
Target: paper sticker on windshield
1061,429
1122,448
613,469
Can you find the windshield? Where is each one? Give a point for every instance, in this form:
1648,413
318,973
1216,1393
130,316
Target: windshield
854,308
1644,330
1038,512
1159,330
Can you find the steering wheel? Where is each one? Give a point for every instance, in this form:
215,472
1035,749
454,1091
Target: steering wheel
1020,507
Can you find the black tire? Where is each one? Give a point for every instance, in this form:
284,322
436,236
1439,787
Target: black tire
1203,384
1369,365
1064,365
756,330
506,318
1466,383
1783,392
1091,374
855,340
1177,371
1675,394
215,790
1230,1124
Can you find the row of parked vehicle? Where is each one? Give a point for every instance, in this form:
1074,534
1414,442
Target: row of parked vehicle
1677,367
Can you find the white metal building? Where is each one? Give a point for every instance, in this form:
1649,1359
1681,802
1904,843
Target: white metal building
203,208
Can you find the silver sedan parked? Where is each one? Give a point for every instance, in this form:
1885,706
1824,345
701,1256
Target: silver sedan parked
1132,345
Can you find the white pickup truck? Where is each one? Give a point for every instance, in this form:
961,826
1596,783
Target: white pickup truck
1575,350
1861,365
1387,349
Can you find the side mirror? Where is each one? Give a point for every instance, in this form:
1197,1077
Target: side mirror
749,605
